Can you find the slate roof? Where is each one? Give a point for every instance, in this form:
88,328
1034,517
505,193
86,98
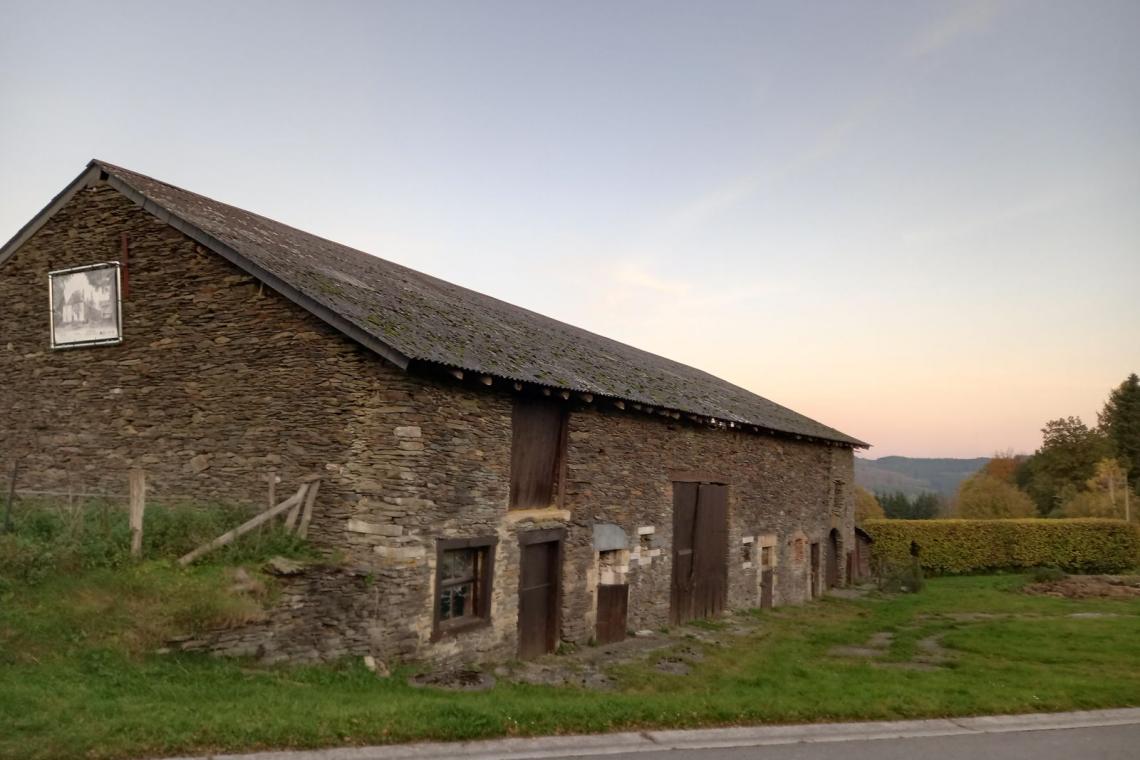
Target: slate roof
412,316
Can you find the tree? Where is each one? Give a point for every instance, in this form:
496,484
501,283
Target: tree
898,506
867,507
1066,460
1104,494
1120,422
984,497
1004,465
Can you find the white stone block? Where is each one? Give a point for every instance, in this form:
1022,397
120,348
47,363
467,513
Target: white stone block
409,431
646,530
375,529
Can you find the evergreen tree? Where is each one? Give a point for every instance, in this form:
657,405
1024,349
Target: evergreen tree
1120,421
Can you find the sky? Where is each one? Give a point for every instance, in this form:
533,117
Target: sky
916,222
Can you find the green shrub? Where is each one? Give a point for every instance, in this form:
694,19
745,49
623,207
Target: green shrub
953,547
50,539
1047,574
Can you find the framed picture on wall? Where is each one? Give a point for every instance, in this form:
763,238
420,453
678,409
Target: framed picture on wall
85,306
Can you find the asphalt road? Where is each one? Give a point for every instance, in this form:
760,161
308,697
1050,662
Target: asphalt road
1100,743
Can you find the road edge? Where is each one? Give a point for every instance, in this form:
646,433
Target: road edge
597,745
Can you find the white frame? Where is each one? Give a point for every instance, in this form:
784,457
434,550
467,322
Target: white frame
118,305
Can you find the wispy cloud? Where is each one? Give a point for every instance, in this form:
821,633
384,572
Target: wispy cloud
966,19
827,143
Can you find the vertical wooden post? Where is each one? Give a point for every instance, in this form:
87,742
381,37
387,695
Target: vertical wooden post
272,477
138,507
11,496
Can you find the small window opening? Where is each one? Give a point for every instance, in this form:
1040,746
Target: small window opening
464,568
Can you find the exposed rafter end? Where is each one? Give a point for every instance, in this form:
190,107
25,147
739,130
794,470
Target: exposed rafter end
565,395
486,380
545,391
456,373
620,404
587,397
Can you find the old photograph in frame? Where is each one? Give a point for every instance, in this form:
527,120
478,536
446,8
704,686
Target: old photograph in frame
85,306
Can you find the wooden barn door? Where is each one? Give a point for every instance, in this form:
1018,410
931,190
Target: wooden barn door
833,559
613,606
814,570
767,588
700,551
539,592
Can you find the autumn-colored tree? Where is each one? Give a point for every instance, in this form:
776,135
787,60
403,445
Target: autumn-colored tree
1120,421
984,497
1004,465
867,507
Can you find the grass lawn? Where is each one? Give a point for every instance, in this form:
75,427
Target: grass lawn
73,684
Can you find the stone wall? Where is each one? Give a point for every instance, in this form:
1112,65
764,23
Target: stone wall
219,380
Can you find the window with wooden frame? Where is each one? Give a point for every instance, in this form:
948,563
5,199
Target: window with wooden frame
464,571
538,443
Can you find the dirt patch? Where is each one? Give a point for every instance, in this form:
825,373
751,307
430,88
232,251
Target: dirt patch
1089,587
674,665
458,679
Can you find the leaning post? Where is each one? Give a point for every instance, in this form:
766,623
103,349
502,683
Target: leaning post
137,479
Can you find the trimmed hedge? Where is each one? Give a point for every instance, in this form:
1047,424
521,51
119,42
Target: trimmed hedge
954,547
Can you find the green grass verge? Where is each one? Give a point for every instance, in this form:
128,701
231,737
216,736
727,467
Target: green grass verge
73,683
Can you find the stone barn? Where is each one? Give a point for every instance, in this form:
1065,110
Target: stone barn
494,482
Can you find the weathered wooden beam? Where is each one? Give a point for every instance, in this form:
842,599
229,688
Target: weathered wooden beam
137,487
294,513
244,528
307,512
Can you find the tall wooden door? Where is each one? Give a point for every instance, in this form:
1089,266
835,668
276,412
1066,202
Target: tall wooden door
832,559
538,594
814,570
700,551
767,590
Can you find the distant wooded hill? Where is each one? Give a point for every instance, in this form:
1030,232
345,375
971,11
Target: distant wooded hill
913,476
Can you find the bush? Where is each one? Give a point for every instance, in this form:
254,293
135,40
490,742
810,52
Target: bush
954,547
1047,574
48,539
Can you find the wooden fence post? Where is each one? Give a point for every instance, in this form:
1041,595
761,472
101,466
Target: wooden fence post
137,480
